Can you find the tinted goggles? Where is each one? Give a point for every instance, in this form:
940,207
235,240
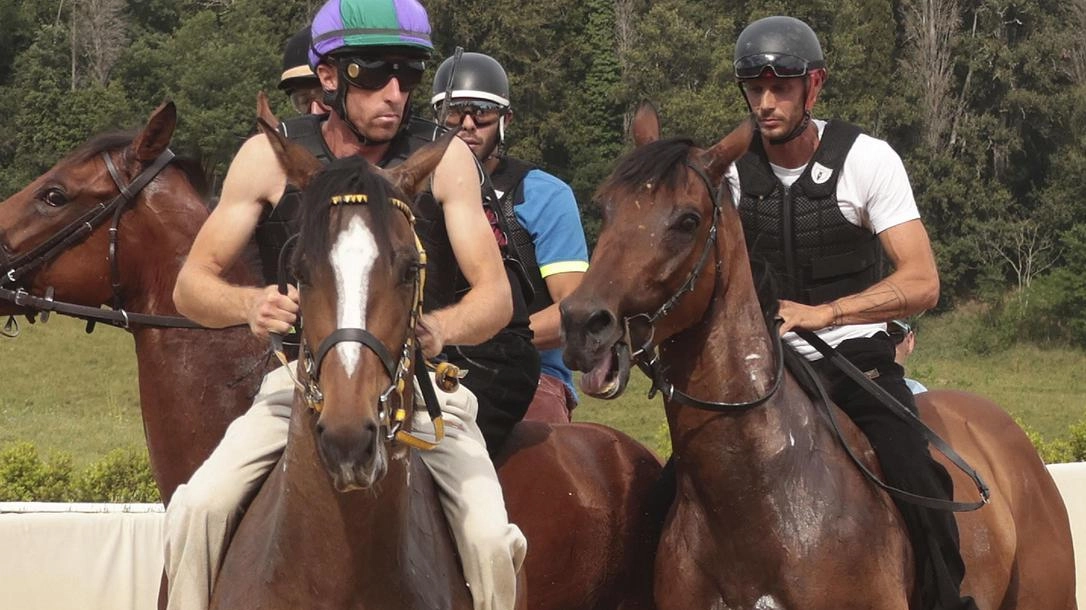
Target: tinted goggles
782,66
373,74
483,114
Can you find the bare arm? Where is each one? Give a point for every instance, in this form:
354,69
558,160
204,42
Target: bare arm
201,293
912,288
546,323
488,305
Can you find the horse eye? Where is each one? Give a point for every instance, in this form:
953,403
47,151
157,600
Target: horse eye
688,223
54,197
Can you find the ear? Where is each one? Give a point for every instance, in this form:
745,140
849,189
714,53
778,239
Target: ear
299,164
155,135
646,124
411,175
725,152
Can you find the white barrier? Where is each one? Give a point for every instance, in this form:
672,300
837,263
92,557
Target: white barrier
109,556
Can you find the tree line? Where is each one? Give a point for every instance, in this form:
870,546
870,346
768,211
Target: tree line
984,99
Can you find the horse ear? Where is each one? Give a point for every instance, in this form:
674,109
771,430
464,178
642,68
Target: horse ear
299,164
646,124
155,135
410,176
725,152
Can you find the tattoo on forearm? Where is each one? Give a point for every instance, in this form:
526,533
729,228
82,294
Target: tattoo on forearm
877,303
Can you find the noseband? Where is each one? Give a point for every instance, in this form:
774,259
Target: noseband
398,370
647,356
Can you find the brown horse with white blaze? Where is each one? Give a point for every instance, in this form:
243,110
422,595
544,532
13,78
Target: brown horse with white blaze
192,382
770,513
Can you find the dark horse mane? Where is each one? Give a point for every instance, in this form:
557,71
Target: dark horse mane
193,167
348,176
662,164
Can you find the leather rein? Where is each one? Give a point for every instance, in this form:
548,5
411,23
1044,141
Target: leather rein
15,269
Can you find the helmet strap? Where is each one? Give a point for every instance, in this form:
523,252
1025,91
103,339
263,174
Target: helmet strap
501,130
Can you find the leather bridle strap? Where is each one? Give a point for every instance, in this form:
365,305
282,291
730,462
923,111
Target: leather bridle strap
910,418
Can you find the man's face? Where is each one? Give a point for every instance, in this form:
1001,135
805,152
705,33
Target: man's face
478,121
779,103
378,91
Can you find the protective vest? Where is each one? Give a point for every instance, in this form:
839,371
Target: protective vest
799,232
509,179
444,281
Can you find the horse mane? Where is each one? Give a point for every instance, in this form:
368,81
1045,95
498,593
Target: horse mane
347,176
192,166
659,164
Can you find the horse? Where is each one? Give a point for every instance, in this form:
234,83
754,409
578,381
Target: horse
193,382
58,253
350,518
769,513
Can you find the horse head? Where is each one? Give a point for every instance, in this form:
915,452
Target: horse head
82,227
667,228
360,271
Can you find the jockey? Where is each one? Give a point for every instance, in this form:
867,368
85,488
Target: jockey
298,80
820,202
369,55
544,224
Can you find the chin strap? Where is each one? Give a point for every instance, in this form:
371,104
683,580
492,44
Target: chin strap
795,133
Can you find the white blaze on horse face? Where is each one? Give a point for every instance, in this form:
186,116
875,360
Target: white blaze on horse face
352,258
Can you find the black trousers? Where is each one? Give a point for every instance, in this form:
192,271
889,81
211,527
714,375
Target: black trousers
907,464
503,373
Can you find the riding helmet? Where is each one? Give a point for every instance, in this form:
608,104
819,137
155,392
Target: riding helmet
296,70
777,43
476,76
345,26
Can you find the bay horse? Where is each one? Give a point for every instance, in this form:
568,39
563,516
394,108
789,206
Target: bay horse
769,512
192,382
350,517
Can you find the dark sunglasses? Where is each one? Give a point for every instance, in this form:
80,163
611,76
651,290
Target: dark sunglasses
483,114
783,66
374,74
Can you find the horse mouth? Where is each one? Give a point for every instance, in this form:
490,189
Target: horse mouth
609,377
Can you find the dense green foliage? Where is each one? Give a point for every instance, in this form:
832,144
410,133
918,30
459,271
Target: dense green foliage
985,101
122,476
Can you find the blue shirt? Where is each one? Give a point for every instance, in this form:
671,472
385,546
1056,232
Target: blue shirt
550,215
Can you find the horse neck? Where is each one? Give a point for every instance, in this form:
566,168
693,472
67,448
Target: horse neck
729,356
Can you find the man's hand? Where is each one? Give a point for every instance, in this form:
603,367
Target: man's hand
431,337
273,312
805,317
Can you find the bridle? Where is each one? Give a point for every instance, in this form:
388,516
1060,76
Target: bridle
14,269
647,356
399,371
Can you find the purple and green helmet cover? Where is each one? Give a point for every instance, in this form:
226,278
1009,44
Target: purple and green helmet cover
369,23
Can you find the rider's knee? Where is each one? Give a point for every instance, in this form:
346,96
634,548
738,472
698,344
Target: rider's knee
202,503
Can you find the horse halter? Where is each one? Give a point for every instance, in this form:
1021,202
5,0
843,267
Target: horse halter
398,371
652,367
14,269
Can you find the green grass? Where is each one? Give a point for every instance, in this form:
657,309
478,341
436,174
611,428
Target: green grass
65,390
68,391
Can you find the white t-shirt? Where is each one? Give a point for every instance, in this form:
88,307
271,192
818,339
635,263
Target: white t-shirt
873,192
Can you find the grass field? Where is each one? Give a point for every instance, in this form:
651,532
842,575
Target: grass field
65,390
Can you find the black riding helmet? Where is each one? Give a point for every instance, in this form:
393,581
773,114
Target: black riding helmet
784,46
476,76
296,70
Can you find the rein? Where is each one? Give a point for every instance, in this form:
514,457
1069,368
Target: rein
448,375
18,267
652,366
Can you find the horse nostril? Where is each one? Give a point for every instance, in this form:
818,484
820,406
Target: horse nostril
599,322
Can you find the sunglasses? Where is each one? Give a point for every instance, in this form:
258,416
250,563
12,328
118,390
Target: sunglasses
374,74
898,330
782,66
483,114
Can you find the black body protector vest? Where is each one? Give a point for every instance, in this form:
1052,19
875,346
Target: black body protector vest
508,179
799,232
445,283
